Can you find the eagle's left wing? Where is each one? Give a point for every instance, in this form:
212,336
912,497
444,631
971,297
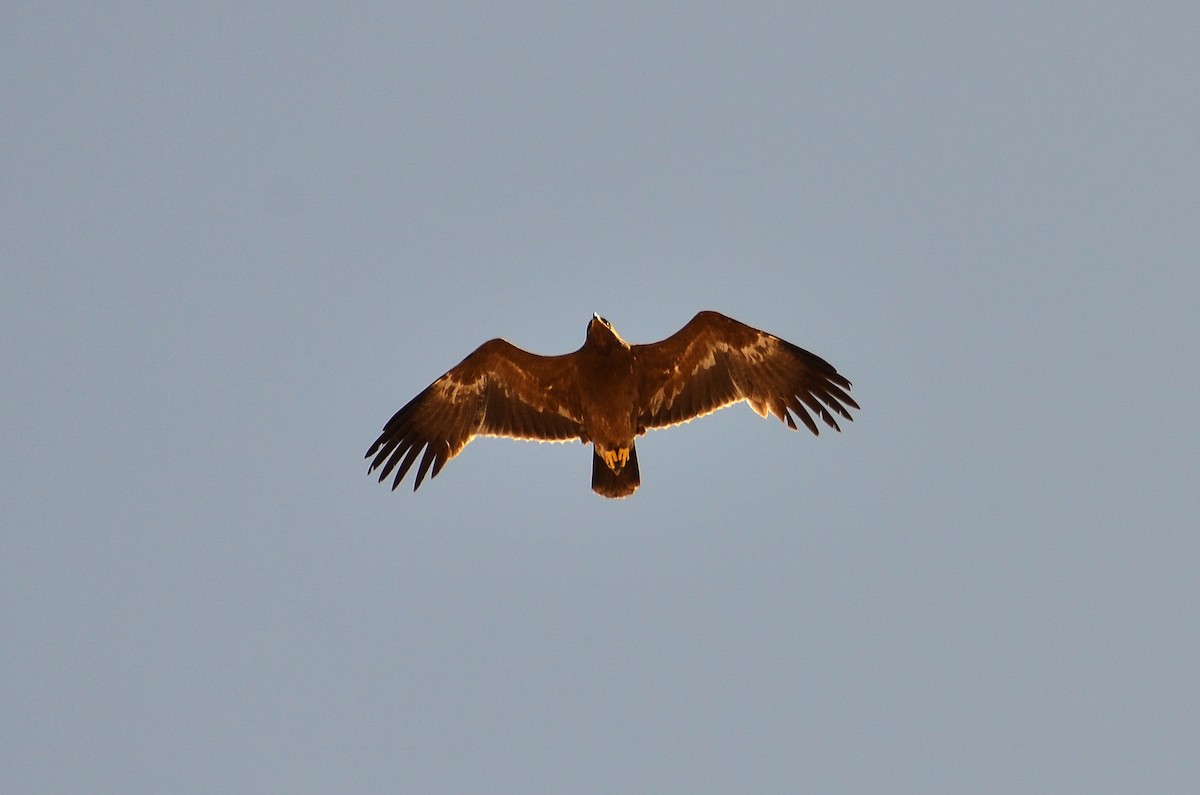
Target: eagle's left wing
499,390
715,361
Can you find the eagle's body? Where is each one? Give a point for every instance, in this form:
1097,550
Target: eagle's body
608,397
608,393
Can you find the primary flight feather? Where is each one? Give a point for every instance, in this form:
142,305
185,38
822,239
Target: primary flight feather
608,393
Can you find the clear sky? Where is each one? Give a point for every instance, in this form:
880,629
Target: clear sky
236,239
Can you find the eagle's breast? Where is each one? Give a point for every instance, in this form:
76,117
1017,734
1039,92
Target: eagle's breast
608,395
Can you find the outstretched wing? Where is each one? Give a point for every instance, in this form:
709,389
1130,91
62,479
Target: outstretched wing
499,390
715,361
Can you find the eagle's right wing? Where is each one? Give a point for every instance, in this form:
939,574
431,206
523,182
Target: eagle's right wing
499,390
715,361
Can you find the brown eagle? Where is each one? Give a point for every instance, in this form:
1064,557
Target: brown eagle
608,393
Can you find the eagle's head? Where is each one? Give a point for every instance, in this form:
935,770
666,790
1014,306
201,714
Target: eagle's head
601,333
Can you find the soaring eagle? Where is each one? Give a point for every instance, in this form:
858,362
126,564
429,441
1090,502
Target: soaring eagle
608,393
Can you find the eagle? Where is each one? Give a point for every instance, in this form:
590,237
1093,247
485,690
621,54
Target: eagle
608,393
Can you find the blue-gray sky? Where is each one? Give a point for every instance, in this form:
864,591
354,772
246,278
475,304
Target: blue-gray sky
235,240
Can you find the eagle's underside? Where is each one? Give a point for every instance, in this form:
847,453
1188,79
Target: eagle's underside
607,393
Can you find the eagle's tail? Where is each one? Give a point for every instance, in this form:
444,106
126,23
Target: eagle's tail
607,483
